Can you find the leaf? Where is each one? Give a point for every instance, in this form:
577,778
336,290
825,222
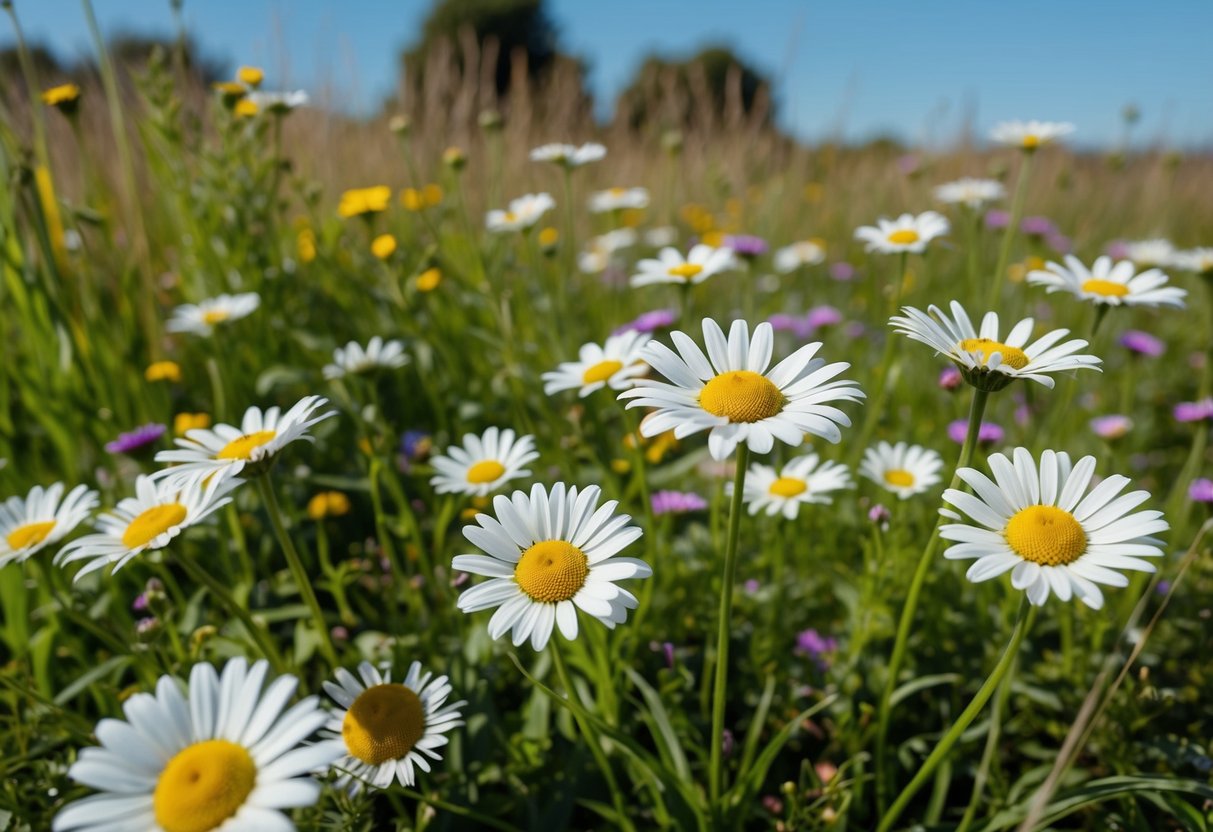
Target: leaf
1097,791
922,683
667,739
90,676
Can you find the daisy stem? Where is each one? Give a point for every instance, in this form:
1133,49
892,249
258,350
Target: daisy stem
965,719
270,500
461,811
1008,237
719,688
1101,312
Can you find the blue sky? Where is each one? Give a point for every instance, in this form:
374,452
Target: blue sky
919,70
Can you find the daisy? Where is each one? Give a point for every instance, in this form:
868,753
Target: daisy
986,361
800,481
1149,253
670,266
484,463
353,359
157,513
226,756
384,729
904,469
279,102
43,517
1030,135
1037,524
599,250
548,555
735,397
615,363
907,233
1105,283
568,155
804,253
202,318
523,213
228,450
618,199
1198,260
973,193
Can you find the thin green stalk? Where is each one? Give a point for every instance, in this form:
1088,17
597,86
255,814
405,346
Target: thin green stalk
461,811
987,753
1008,237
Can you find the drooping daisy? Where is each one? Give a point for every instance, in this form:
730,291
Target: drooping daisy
973,193
353,359
903,468
385,729
908,233
983,358
44,516
202,318
615,364
797,255
1148,254
1197,260
800,481
735,396
550,554
1042,526
227,756
523,213
670,266
484,463
1105,283
157,513
618,199
228,450
568,155
1029,135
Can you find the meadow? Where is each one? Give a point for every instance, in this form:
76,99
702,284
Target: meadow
255,575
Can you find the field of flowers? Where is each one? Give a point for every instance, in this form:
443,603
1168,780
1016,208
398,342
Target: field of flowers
399,475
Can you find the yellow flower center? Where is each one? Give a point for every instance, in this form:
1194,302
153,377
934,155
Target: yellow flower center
685,270
31,534
741,396
1031,141
485,471
152,523
1011,356
215,316
904,237
617,192
510,216
241,448
1107,288
1046,535
202,786
788,487
898,478
383,724
551,571
601,371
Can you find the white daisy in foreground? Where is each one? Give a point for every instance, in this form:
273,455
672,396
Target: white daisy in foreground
157,513
973,193
735,396
228,450
548,556
1046,529
354,359
797,255
1105,283
615,364
800,481
908,233
226,756
1197,260
903,468
1147,254
386,729
202,318
987,361
1029,135
279,102
484,463
523,213
618,199
569,155
670,266
43,517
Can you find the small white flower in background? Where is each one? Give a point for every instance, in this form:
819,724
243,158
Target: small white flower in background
670,266
908,233
661,236
797,255
615,364
1116,284
1029,135
44,516
523,213
282,102
903,469
484,463
569,155
353,359
618,199
802,480
1197,260
599,250
202,318
973,193
1147,254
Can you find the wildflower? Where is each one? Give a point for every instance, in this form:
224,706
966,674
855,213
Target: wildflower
880,515
805,479
1142,343
615,364
202,318
842,271
798,255
1105,283
484,463
903,468
568,155
383,246
676,502
950,378
988,433
353,359
1201,491
548,238
44,516
618,199
65,98
279,103
1111,427
415,446
649,321
453,157
1030,135
163,371
1196,260
1147,254
907,233
359,201
328,504
670,266
1198,411
996,219
137,439
305,244
522,214
812,645
973,193
245,108
746,246
183,423
250,76
661,236
428,280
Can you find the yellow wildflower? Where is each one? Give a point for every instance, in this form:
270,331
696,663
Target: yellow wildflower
64,97
305,242
358,201
383,246
428,280
163,371
250,75
328,504
185,422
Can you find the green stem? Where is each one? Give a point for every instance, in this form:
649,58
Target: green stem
1008,238
461,811
887,368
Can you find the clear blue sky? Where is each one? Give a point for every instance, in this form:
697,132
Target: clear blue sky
915,69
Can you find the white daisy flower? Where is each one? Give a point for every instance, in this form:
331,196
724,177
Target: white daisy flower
973,193
548,556
282,102
229,451
600,249
903,468
569,155
670,266
484,463
616,363
661,236
1030,135
1147,254
797,255
618,199
43,517
906,233
157,513
987,361
353,359
202,318
228,756
523,213
735,396
1105,283
386,729
1198,260
800,481
1037,524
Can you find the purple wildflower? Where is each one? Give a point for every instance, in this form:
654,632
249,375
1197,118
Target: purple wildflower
823,315
811,644
1111,427
907,164
747,245
1060,243
988,434
997,218
1142,343
1162,587
880,515
668,649
1201,491
1117,250
1194,411
415,446
751,586
140,602
649,321
783,322
842,271
137,439
950,378
1037,226
677,502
